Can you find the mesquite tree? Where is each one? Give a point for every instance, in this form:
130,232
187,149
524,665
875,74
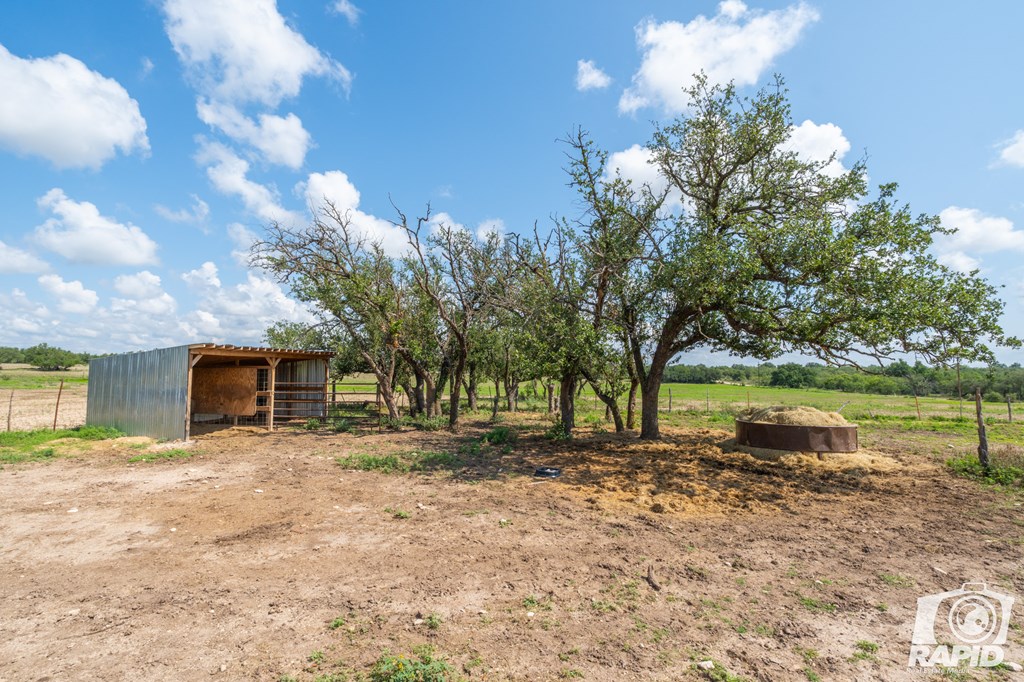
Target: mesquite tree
770,254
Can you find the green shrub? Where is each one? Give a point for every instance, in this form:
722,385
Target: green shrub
384,463
312,424
425,667
999,473
425,423
342,426
557,432
498,436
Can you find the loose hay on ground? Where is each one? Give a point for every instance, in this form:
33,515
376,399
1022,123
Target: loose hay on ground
795,415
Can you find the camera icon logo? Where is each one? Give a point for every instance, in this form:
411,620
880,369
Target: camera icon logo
964,626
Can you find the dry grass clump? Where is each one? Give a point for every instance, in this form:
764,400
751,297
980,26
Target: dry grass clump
795,415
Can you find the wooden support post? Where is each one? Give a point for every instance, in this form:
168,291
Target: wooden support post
57,408
670,400
982,438
272,378
378,409
1009,409
918,404
10,404
327,382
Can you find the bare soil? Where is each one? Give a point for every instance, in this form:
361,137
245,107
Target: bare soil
231,559
35,408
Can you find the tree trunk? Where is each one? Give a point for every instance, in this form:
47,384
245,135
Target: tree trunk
567,402
410,394
434,400
421,401
634,383
511,394
550,388
650,388
456,393
610,401
384,376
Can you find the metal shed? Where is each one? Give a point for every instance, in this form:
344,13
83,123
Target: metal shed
162,393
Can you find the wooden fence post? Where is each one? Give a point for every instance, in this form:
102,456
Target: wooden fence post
1009,410
982,438
918,404
707,400
57,408
10,404
670,400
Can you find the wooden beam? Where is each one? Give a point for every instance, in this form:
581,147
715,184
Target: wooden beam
273,362
327,383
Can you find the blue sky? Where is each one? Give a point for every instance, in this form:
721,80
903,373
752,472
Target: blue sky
143,145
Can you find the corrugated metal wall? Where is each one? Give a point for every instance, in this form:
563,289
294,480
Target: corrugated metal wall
142,394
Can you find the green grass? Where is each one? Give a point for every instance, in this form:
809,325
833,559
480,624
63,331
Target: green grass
23,377
1005,468
422,666
401,463
25,446
174,453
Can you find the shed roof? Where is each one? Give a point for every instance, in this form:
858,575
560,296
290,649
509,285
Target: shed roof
213,349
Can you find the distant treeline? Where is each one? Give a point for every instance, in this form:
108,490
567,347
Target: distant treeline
43,356
997,382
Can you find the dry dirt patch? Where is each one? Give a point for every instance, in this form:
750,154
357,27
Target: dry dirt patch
231,562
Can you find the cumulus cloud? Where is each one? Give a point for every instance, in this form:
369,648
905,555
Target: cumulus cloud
281,140
488,227
59,109
590,77
143,294
196,213
976,233
14,261
635,164
237,313
737,44
818,142
244,51
229,174
335,187
205,276
1012,152
72,297
78,232
243,238
348,10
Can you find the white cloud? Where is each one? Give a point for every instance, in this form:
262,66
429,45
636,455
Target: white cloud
737,44
1012,152
244,51
348,10
143,295
281,140
228,173
71,297
238,313
14,261
335,187
59,109
243,238
634,164
818,142
589,77
147,67
80,234
197,213
489,227
203,277
976,233
140,285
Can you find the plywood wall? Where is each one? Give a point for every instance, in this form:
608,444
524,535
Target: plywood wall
224,390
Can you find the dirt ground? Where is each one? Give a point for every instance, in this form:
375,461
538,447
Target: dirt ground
256,556
35,408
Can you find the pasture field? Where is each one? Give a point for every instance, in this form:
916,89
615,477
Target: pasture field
319,555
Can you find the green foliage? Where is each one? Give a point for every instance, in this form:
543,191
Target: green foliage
387,464
1003,473
175,453
51,358
557,432
499,436
425,423
312,424
425,667
20,446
